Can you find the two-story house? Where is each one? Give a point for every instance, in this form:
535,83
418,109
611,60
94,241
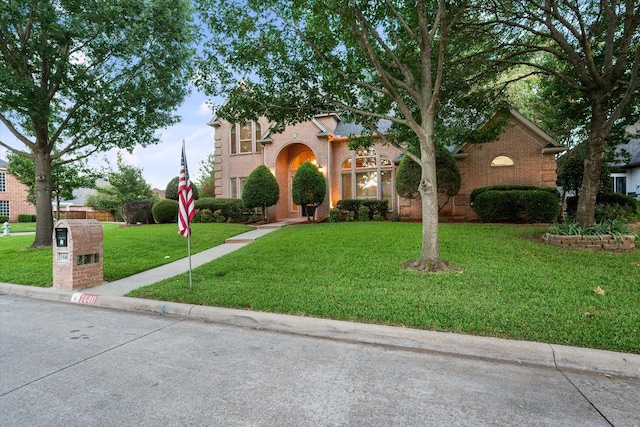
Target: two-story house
523,154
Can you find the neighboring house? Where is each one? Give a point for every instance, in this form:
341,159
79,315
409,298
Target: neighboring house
13,195
159,193
522,155
626,174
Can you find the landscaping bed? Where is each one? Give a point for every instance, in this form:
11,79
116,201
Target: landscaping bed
606,242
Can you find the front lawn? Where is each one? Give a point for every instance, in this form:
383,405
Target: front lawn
127,251
512,286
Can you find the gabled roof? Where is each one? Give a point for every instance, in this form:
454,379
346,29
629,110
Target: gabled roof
633,148
551,147
3,164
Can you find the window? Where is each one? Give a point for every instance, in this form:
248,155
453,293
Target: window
4,208
367,175
233,188
502,161
236,185
3,182
620,184
244,138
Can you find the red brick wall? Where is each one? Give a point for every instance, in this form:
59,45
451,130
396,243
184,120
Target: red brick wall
16,194
85,237
524,147
519,142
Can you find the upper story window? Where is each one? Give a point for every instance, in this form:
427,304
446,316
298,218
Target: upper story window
3,182
367,175
244,138
502,161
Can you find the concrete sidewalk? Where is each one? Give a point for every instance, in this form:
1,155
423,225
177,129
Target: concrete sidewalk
111,295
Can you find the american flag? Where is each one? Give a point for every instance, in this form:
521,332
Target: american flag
186,208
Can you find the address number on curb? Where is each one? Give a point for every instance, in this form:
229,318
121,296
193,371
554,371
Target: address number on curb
81,298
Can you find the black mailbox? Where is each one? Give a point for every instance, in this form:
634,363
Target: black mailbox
61,237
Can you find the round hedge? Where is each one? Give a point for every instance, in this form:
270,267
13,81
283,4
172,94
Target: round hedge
165,211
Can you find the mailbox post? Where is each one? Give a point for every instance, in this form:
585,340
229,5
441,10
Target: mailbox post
77,254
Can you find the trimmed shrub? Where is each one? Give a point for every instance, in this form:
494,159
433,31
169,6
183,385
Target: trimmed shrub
363,213
480,190
171,192
203,215
608,207
139,211
334,215
218,217
517,205
308,188
4,218
380,207
229,208
261,190
26,218
165,211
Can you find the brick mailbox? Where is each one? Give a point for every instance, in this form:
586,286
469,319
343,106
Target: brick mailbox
77,254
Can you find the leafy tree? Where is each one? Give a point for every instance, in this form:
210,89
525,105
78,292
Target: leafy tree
126,184
308,188
404,62
104,199
589,53
205,176
572,168
447,172
171,192
260,190
79,78
65,178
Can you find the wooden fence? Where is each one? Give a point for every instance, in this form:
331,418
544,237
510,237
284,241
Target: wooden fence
99,215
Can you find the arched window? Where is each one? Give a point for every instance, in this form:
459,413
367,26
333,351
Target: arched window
502,161
367,175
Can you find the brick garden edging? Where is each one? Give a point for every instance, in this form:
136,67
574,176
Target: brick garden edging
603,242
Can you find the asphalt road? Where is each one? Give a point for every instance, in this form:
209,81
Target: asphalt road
72,365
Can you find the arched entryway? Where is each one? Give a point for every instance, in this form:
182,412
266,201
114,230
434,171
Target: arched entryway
287,163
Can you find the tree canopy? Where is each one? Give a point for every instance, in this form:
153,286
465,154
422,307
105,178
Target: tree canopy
64,179
125,184
589,56
78,78
403,62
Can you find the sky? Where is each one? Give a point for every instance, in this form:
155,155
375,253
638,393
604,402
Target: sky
160,163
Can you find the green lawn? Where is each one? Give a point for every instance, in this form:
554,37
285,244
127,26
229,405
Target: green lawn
127,251
512,285
20,227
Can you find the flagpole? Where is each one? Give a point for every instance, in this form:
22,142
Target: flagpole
186,208
189,252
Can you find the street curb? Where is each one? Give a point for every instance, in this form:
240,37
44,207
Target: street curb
468,346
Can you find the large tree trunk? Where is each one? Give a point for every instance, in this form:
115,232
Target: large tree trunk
44,215
430,259
593,160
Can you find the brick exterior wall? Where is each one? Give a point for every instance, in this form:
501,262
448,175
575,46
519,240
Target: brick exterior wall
278,152
522,142
80,264
16,194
